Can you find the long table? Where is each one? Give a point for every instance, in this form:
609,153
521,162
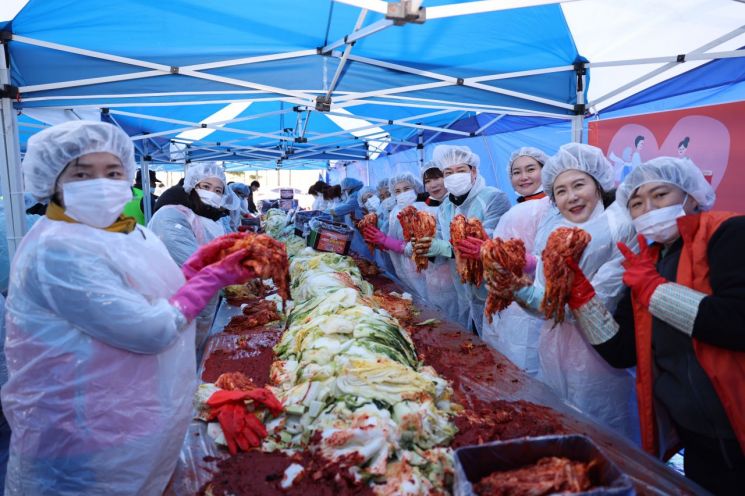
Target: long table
199,456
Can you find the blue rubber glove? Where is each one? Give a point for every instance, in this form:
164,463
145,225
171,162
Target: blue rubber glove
440,248
530,297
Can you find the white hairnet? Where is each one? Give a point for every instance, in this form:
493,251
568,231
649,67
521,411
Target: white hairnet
526,151
679,172
581,157
384,184
202,170
49,151
363,194
449,155
407,177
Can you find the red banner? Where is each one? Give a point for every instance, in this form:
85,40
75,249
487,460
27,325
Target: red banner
712,137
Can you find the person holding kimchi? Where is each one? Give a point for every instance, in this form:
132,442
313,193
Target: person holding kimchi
515,332
100,331
681,321
471,198
577,180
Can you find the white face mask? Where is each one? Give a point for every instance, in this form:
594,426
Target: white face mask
660,225
406,198
387,204
96,202
372,203
210,198
458,184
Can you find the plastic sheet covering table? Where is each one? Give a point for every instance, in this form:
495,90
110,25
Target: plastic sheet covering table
199,456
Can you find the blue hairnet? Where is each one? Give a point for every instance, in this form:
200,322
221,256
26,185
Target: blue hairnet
578,156
350,184
408,178
50,150
679,172
239,188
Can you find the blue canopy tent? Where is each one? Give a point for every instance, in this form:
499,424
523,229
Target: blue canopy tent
718,81
300,69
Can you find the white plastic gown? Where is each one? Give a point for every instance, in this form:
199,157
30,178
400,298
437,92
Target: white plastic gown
438,279
101,365
515,332
404,266
183,231
568,363
486,204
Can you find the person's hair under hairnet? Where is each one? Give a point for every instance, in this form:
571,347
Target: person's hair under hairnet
577,156
431,171
364,193
202,170
49,151
679,172
384,184
450,155
405,178
526,151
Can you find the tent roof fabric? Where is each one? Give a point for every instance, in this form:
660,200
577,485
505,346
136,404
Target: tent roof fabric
717,81
168,66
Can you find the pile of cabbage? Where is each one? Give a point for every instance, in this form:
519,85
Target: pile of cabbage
352,386
275,220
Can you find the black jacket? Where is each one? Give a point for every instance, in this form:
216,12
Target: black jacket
177,195
681,384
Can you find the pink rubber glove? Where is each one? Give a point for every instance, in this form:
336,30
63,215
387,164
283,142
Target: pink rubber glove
193,296
470,248
375,235
208,252
530,263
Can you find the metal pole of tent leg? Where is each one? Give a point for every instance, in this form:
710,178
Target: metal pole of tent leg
10,164
577,123
147,208
420,147
578,120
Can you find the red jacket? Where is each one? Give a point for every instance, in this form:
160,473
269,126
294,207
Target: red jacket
725,368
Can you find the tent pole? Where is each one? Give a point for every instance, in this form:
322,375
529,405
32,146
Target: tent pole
10,163
147,209
577,123
579,109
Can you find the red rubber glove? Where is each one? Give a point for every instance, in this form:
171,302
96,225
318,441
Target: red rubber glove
470,248
208,253
641,272
242,429
582,290
259,397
